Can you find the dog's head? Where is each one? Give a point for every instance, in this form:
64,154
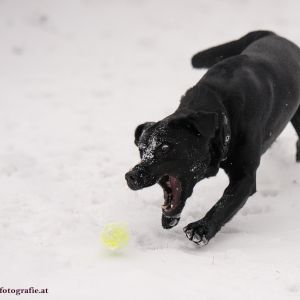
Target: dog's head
175,153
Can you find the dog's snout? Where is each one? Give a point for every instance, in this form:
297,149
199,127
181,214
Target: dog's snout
131,176
134,178
139,178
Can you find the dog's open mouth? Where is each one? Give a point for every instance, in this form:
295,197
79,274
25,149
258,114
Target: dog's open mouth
172,194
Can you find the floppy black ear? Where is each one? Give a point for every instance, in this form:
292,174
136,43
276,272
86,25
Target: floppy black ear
140,130
202,123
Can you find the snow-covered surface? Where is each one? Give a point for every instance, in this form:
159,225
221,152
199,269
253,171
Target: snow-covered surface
76,77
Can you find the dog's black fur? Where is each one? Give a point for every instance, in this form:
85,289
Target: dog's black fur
228,120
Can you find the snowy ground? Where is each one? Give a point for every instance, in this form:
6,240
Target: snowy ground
76,77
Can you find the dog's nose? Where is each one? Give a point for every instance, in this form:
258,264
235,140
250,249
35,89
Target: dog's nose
131,176
136,178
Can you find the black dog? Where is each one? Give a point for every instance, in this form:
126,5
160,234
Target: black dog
228,120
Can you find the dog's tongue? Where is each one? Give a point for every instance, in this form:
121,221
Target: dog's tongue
172,194
175,188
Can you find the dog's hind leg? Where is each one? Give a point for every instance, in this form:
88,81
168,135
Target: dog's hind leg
296,123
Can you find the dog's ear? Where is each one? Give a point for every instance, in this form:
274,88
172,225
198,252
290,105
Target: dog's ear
140,130
202,123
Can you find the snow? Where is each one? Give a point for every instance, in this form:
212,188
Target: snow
148,153
76,78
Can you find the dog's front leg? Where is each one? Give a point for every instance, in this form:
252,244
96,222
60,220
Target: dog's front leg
234,197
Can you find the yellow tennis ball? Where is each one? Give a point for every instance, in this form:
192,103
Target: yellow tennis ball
115,236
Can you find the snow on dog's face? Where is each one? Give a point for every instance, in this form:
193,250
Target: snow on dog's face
174,154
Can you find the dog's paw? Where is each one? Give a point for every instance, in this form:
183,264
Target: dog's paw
200,232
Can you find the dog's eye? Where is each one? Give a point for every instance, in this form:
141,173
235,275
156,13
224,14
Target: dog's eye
165,148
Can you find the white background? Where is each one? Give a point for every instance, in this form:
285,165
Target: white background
76,78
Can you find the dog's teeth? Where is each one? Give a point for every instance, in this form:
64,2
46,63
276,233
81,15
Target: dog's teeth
164,206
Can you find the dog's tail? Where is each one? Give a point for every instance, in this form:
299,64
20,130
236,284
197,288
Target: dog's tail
211,56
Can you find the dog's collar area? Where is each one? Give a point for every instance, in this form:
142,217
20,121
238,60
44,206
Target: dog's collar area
226,136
